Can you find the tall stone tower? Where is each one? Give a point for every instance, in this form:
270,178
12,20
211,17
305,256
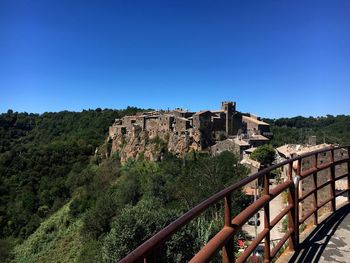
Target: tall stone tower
230,108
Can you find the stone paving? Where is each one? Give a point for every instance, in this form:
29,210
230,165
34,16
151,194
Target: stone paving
329,241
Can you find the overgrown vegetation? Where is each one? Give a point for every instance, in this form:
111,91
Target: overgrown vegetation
56,240
59,202
42,159
115,208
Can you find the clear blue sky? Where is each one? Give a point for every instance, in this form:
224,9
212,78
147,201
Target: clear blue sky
274,58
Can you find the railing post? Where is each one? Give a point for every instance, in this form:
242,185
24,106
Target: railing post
314,175
332,182
292,224
228,253
267,251
296,215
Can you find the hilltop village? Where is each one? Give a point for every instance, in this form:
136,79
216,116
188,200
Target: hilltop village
149,134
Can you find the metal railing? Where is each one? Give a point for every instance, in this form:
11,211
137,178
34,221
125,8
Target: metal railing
223,240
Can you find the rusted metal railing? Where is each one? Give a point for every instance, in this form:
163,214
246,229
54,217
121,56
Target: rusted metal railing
223,240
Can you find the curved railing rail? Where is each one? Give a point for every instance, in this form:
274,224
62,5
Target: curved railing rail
224,238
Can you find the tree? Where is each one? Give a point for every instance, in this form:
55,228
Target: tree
265,154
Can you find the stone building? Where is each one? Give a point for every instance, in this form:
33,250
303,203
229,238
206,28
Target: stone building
255,126
184,130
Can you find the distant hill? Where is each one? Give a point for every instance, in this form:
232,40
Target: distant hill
329,129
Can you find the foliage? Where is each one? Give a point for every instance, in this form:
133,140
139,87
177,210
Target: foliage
159,144
139,199
328,129
42,163
68,206
108,202
264,154
166,190
54,241
6,246
284,224
284,197
133,226
90,252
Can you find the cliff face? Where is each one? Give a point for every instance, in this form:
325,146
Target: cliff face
151,146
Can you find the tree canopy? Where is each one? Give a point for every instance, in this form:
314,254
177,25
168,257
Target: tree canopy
328,129
264,154
39,153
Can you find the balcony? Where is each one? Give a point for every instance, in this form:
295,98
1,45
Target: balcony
316,189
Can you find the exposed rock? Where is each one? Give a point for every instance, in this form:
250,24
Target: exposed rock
141,144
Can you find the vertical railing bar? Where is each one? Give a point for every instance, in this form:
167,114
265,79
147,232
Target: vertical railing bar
228,214
267,251
298,172
297,178
332,182
315,190
228,254
291,213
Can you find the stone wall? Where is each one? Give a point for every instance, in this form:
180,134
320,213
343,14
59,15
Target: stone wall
225,145
181,125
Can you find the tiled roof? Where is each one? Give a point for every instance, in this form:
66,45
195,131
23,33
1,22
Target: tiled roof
247,118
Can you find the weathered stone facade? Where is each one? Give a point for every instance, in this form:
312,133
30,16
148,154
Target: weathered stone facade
178,131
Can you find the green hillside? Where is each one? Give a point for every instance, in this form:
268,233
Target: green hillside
115,208
56,240
40,156
60,202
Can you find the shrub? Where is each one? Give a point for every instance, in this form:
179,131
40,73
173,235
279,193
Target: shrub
264,154
133,226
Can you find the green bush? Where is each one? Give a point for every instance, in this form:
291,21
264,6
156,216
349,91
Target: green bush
55,240
90,253
97,219
134,225
78,206
264,154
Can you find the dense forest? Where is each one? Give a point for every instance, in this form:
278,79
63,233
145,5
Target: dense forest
63,199
39,154
328,129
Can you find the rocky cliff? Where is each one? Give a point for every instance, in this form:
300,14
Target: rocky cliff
142,144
